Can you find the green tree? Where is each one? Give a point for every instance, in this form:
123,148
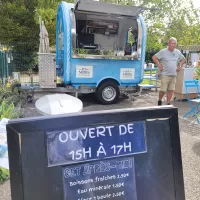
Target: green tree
164,18
177,18
51,3
20,32
167,18
47,10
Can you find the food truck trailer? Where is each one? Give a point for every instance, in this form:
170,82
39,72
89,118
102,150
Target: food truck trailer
100,48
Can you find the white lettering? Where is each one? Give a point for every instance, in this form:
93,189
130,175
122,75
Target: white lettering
87,169
89,152
101,150
114,147
81,182
63,137
130,128
109,130
127,163
83,133
78,155
79,191
117,149
91,168
73,133
72,172
127,147
67,173
120,147
100,131
81,153
91,132
73,154
122,130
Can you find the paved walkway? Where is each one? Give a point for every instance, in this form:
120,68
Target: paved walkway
189,132
190,146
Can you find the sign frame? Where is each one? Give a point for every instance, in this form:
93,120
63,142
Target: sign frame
21,149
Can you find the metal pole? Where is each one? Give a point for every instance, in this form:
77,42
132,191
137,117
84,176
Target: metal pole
4,67
7,72
1,59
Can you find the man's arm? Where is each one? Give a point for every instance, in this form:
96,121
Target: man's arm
156,61
181,64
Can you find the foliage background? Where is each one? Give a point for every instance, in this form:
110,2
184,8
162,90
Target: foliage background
11,106
19,25
178,18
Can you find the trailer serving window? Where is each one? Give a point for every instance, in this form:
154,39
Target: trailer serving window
101,35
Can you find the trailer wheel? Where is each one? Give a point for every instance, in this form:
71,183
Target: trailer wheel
108,92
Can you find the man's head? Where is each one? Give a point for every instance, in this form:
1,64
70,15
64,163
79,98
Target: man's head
172,43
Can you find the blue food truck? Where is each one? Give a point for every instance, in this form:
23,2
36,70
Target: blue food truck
100,48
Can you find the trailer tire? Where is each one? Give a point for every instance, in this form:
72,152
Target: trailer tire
108,92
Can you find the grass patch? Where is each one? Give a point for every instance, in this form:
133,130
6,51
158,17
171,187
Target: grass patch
153,72
148,82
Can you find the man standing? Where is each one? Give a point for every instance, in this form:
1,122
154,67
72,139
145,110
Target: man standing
169,62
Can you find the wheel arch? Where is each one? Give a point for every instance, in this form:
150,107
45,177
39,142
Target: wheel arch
107,79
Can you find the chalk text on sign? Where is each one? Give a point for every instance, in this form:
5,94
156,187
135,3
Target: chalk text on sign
96,132
79,191
94,143
101,180
89,169
81,154
73,172
117,149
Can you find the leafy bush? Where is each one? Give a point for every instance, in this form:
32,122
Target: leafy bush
11,106
11,99
10,95
6,110
198,73
4,174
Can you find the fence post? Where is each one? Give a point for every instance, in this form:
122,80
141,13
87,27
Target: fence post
6,67
3,73
1,67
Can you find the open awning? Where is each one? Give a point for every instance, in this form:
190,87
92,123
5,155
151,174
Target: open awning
107,8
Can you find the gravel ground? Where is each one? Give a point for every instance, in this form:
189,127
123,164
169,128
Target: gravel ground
190,139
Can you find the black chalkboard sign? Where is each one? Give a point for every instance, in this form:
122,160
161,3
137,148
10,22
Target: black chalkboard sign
119,155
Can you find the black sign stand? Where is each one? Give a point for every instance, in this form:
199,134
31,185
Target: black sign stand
47,161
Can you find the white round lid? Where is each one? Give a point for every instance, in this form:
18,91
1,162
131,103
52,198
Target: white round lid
57,104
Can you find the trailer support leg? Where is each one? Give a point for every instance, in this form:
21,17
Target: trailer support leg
76,94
